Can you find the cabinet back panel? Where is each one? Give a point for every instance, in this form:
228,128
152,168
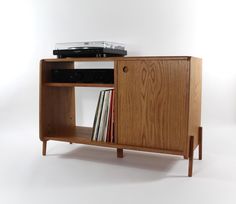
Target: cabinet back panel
153,103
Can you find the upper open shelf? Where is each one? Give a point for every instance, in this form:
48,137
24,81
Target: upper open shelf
78,85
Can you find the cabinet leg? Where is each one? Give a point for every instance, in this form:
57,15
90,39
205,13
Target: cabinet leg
185,157
191,149
70,142
120,153
200,143
44,147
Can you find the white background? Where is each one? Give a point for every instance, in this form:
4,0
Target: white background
81,174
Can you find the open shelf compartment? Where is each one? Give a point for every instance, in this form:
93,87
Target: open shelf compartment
57,106
46,78
76,134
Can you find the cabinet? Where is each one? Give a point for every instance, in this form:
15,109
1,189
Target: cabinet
157,105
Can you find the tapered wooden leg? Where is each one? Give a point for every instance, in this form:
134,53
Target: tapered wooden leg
44,147
120,153
191,149
70,142
200,143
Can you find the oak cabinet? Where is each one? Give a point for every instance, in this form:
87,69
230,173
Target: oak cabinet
157,105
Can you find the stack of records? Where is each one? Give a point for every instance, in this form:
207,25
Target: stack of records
103,126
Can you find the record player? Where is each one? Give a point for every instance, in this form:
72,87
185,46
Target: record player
90,49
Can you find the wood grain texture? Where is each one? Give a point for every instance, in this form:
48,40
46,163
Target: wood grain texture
57,105
195,99
115,102
153,104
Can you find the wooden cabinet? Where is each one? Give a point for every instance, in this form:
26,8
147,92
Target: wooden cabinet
157,105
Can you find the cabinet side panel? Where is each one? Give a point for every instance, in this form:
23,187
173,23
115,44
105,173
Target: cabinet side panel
116,101
195,98
153,104
57,104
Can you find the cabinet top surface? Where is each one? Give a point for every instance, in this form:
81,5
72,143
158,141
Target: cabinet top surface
118,58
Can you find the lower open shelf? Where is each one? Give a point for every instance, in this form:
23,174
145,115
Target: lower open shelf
82,135
77,134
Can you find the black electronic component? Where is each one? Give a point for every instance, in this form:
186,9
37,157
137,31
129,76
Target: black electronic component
102,76
89,52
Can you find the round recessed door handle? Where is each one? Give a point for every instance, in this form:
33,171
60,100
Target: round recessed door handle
125,69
